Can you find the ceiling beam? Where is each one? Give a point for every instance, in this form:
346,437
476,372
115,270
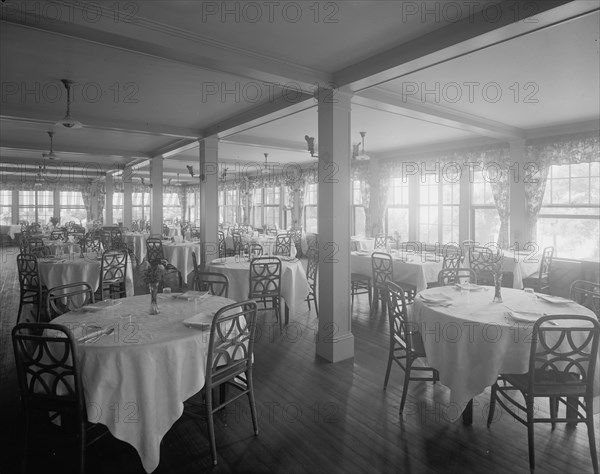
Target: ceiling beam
479,31
115,28
390,102
15,150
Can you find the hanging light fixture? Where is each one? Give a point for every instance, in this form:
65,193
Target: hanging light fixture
358,154
310,142
38,177
68,121
51,155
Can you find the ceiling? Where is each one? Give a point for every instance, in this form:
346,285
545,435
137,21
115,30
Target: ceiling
153,77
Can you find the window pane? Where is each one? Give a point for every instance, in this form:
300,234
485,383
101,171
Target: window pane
571,238
487,226
359,220
310,219
397,221
26,198
5,198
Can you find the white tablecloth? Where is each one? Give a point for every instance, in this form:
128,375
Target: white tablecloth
136,380
138,242
471,342
294,286
266,241
417,270
361,243
522,264
72,269
180,256
11,230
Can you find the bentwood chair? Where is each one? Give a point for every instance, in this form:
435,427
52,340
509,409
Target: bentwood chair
382,241
50,388
283,245
265,284
452,259
215,283
113,273
360,284
254,249
586,293
92,242
383,272
156,256
30,283
296,236
312,269
453,276
483,261
229,364
541,282
57,235
562,362
236,237
65,298
406,344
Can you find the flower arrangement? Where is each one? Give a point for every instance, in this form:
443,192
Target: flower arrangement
154,273
54,220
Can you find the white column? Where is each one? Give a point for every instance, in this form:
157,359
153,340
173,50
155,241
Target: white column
127,197
209,206
108,205
15,207
518,225
464,209
57,204
156,200
335,342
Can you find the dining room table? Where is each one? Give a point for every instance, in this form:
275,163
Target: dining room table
137,242
416,269
137,369
179,254
294,285
71,268
471,340
267,242
358,242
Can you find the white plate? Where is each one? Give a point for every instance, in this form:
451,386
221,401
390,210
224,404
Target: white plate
435,298
199,321
525,316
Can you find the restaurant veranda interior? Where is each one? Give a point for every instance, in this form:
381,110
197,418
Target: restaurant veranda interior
374,276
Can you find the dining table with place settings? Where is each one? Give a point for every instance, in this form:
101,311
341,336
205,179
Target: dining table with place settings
470,339
294,285
416,269
57,271
179,254
137,242
138,369
267,242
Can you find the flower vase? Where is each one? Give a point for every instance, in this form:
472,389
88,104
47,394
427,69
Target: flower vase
497,287
154,309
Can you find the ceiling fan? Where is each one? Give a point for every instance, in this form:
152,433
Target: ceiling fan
358,154
51,155
68,121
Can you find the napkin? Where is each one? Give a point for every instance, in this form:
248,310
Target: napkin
191,295
101,305
435,298
524,316
553,299
469,286
200,320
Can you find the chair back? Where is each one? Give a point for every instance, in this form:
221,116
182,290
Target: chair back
382,267
255,250
57,235
312,241
215,283
29,274
92,242
237,242
195,233
283,245
135,226
231,343
265,277
452,259
312,267
113,267
484,263
38,248
154,250
381,241
545,265
165,230
453,276
586,293
401,330
71,297
222,244
47,368
563,355
116,239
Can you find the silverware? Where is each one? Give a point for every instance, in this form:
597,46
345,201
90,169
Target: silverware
105,332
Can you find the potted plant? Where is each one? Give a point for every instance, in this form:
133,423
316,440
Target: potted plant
54,221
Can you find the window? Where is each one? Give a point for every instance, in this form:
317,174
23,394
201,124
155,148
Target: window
311,198
256,213
72,208
429,189
5,207
271,204
36,206
358,210
570,215
171,206
228,206
140,206
450,209
484,216
193,207
396,219
117,207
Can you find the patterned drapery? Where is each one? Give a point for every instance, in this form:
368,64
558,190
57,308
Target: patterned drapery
296,190
182,197
540,155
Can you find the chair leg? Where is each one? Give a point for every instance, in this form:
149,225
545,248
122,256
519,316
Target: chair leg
530,434
316,307
405,386
591,436
370,297
252,401
389,365
553,410
82,443
492,404
211,426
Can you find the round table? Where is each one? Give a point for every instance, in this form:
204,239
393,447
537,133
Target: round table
137,240
473,340
180,256
136,379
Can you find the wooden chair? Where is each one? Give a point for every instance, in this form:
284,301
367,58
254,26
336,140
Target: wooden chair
562,361
30,283
238,246
360,284
483,262
46,352
57,235
92,242
283,245
586,293
452,276
65,298
296,236
406,344
312,269
541,282
156,256
255,249
381,241
265,284
383,272
216,284
452,259
113,273
229,363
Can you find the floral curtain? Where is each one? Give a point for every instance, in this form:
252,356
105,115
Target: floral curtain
182,197
361,171
540,155
296,189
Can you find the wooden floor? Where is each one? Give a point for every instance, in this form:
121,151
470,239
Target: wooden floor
316,417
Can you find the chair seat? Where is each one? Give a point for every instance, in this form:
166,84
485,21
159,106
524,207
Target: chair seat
556,387
360,278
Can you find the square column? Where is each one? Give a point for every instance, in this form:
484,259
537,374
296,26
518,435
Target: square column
335,342
127,197
518,223
108,204
156,199
209,206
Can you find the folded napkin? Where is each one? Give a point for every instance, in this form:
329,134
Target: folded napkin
435,298
200,320
553,299
192,295
524,316
101,305
469,287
